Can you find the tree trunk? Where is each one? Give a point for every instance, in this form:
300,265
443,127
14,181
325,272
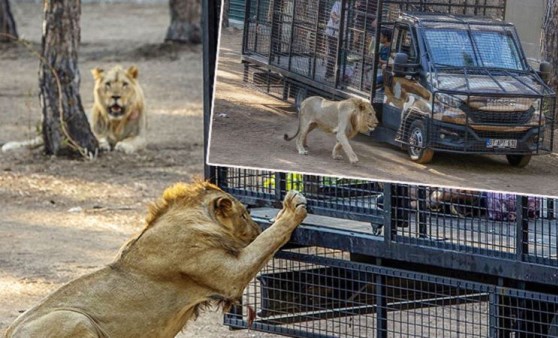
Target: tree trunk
549,43
225,16
8,31
65,126
185,21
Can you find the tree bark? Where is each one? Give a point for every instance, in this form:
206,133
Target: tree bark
185,21
65,126
8,31
549,43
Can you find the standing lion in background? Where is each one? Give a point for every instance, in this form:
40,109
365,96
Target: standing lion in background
118,116
199,246
344,118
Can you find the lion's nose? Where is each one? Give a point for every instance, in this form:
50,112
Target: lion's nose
115,97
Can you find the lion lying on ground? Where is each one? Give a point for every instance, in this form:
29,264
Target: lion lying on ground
344,118
199,246
118,116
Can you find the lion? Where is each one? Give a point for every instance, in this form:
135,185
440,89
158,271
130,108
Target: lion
118,116
344,118
199,247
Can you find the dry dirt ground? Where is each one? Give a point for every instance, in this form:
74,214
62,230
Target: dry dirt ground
248,126
62,218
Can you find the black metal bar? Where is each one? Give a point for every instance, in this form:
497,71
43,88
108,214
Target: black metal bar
380,9
247,24
494,314
257,326
522,232
381,305
210,27
291,38
340,33
389,229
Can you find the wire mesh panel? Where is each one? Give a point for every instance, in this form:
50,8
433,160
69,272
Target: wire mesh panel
489,223
318,292
328,196
488,8
509,226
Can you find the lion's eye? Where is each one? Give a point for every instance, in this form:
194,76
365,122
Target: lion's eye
125,84
107,84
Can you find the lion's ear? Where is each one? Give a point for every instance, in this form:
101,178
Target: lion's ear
223,205
361,105
97,73
133,72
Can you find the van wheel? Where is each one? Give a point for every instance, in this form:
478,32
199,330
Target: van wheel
418,139
519,161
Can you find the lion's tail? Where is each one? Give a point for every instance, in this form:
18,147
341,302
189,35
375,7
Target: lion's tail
286,136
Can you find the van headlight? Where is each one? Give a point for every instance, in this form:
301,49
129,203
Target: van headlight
454,101
448,108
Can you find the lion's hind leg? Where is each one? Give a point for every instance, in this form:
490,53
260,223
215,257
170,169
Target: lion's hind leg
30,144
60,324
302,139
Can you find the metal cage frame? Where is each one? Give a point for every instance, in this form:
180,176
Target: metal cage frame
394,260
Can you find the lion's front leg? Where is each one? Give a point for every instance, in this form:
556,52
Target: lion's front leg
344,142
336,153
104,144
131,144
239,270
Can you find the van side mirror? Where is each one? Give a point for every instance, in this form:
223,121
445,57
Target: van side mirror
545,70
400,64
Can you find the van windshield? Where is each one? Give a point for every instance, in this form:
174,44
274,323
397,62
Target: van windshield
473,48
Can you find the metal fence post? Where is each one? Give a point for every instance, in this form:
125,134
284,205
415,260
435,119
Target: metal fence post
522,223
388,234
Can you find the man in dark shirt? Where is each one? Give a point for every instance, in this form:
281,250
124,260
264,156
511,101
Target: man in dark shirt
385,45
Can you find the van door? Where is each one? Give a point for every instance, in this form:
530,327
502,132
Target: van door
397,85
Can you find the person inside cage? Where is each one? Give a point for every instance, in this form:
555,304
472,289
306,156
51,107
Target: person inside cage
385,47
365,23
332,34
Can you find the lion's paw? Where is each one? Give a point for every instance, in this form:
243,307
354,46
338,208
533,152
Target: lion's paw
125,148
303,152
337,157
295,202
104,145
353,160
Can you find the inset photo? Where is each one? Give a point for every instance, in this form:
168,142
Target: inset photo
457,95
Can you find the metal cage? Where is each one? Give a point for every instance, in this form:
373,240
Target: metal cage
382,259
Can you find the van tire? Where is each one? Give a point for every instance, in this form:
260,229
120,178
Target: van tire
519,161
418,135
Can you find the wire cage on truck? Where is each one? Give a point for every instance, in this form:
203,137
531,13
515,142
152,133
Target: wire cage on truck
448,76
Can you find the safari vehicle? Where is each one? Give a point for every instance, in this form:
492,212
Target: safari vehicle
456,80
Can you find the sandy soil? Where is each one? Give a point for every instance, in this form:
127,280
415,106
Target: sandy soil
62,218
248,126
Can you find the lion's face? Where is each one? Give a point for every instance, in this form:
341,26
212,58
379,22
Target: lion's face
367,117
116,90
235,219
